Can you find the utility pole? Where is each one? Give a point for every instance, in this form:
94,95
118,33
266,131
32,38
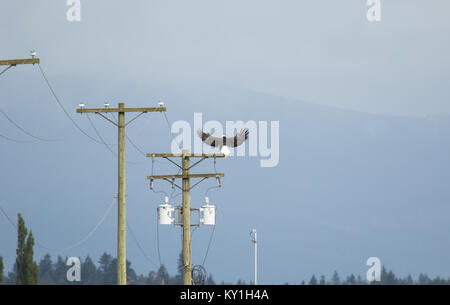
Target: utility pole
121,215
14,62
255,241
186,188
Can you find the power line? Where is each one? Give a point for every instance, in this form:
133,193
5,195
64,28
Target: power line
157,242
139,246
99,136
214,229
13,140
209,245
103,141
63,108
83,240
170,129
23,130
131,142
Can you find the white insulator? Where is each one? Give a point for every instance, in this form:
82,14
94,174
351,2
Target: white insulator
165,214
208,215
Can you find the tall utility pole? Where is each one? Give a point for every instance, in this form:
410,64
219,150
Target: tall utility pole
186,188
14,62
255,241
121,215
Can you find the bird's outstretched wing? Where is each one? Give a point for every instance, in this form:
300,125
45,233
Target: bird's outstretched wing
209,139
238,139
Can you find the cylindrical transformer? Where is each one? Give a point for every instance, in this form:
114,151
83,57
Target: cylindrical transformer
165,214
208,215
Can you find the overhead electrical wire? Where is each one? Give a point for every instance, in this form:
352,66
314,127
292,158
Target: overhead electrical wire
63,108
209,245
157,242
129,140
13,140
170,128
99,136
214,228
139,246
23,130
3,136
80,242
103,141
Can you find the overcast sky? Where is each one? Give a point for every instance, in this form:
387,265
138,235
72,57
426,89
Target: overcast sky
190,53
291,48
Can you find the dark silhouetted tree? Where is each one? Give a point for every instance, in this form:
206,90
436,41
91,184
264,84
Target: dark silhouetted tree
335,280
1,270
89,273
322,280
27,269
46,271
162,276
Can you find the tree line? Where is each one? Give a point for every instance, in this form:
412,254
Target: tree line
27,272
387,277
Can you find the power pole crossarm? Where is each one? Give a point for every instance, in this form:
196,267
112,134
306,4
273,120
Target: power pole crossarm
155,177
186,154
109,110
15,62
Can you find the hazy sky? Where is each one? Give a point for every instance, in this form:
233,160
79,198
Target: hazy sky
368,185
323,52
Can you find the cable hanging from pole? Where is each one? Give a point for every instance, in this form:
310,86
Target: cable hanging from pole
14,140
139,246
83,240
23,130
103,141
63,108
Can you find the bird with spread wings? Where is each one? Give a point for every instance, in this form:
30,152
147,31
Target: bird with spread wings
223,143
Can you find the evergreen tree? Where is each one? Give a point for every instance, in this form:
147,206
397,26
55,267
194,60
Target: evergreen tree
335,280
322,280
132,278
350,280
313,280
89,273
1,270
423,279
108,269
151,278
179,277
27,269
387,277
60,272
409,280
162,276
46,271
359,280
209,280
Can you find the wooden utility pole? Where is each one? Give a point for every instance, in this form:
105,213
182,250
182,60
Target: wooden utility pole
186,212
14,62
121,214
186,205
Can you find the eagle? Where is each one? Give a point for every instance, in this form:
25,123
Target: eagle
223,142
